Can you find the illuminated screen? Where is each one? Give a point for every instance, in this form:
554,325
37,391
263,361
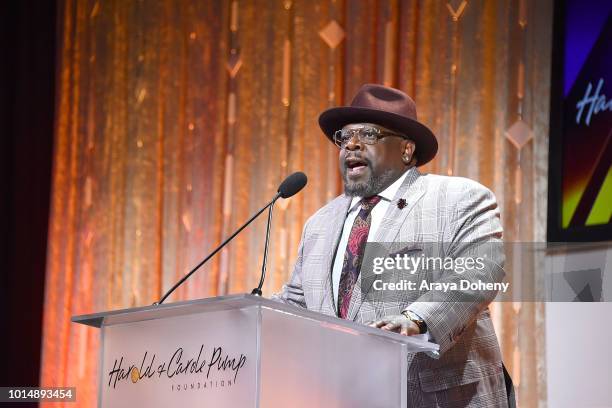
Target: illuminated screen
580,198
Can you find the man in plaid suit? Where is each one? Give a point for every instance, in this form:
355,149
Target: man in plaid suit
388,200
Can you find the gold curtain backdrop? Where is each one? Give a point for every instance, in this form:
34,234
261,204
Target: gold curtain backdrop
176,120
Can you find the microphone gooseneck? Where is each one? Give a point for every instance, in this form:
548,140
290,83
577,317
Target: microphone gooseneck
292,185
257,290
289,187
213,253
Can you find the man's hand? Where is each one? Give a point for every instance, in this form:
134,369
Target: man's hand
398,324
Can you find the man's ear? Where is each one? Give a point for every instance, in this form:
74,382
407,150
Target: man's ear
408,153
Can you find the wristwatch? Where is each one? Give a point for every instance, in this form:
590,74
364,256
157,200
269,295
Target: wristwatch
416,320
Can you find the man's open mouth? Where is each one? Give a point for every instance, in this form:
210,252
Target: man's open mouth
355,166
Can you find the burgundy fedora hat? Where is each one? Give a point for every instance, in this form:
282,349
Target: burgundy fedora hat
384,106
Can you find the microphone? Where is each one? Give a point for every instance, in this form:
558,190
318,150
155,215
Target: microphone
289,187
292,185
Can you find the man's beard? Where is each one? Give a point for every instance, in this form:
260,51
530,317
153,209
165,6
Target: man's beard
372,186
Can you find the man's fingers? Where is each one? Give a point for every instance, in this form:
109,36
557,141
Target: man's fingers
390,326
391,323
379,324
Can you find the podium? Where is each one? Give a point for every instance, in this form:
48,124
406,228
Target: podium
247,351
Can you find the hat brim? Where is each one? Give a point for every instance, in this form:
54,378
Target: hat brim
334,119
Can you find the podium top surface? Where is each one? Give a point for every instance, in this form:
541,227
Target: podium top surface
240,301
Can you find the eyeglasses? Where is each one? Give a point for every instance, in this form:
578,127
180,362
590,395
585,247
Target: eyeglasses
365,135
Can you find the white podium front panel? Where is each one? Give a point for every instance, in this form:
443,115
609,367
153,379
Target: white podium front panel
206,359
312,363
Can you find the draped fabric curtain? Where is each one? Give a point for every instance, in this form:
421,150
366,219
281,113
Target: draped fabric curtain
176,120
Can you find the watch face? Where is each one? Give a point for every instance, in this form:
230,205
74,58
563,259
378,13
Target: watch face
416,320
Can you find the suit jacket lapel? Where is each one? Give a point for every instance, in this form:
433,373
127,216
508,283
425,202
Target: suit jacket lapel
412,191
336,224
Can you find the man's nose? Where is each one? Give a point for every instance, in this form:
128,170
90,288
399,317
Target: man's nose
354,143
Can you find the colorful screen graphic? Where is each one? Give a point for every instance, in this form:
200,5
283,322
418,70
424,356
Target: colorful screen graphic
586,132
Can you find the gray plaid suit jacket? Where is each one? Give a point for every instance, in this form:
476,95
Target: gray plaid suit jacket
458,214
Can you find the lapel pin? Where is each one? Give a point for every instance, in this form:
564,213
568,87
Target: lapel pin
401,203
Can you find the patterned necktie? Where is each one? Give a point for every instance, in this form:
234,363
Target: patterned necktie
353,255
